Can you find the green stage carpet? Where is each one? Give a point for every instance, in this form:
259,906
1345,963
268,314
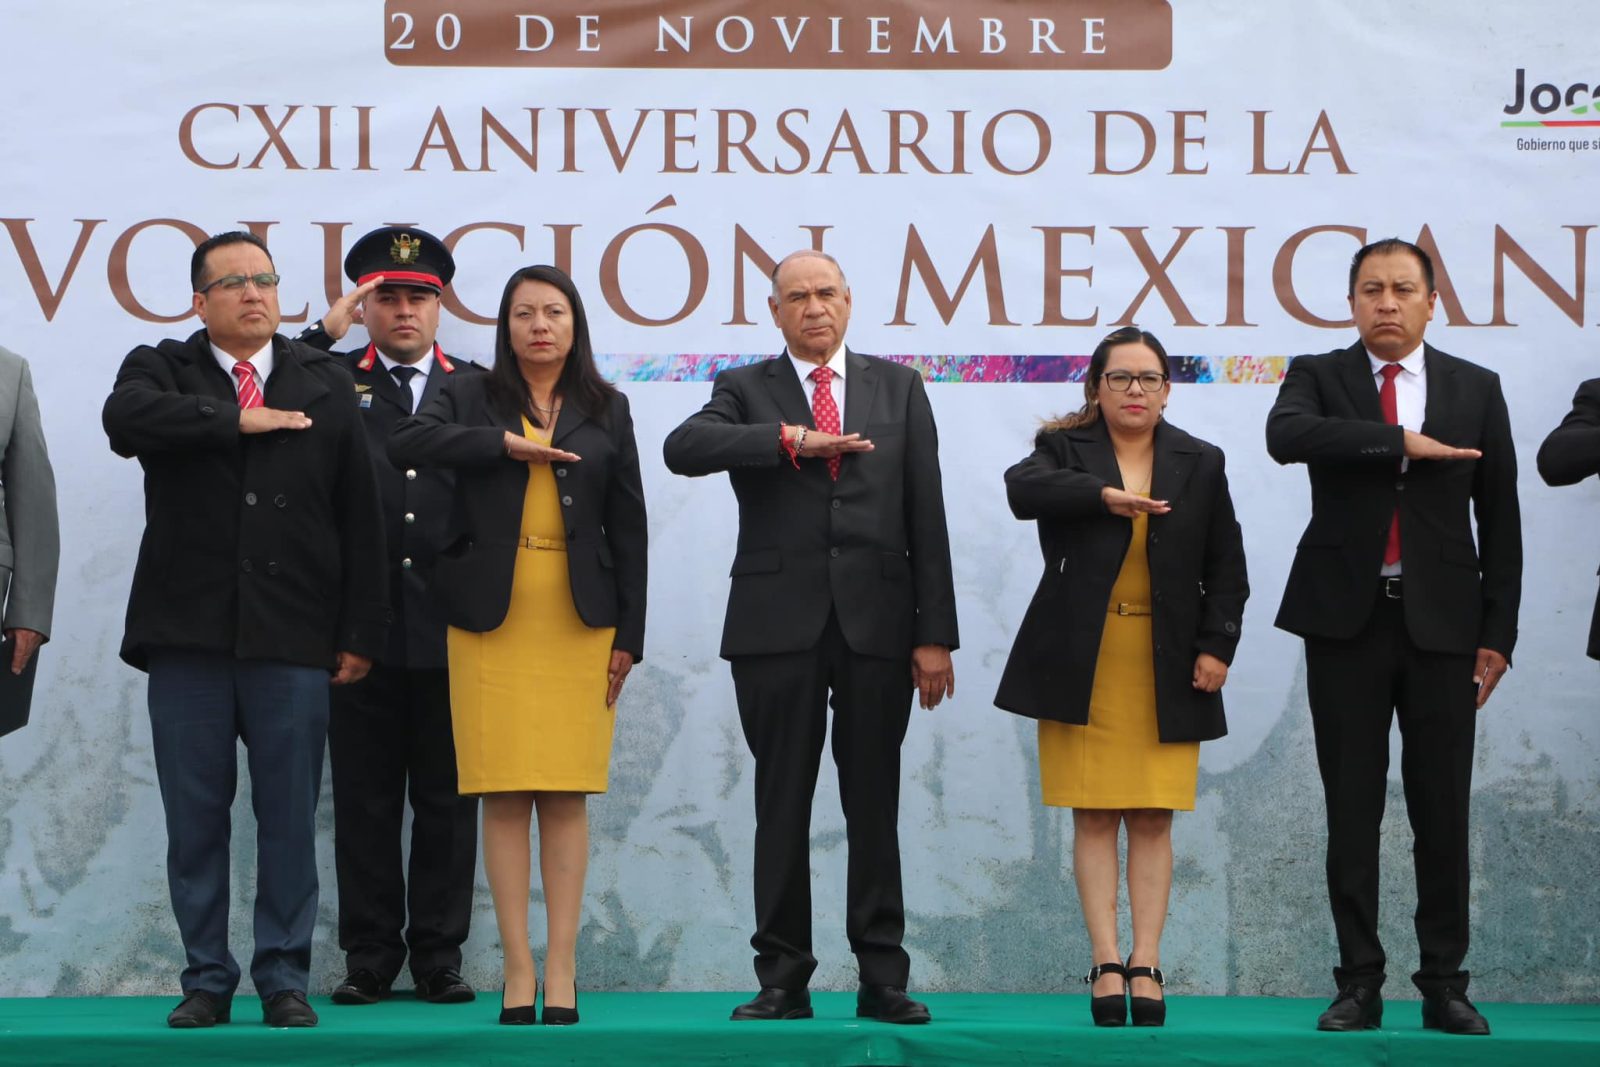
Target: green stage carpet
663,1029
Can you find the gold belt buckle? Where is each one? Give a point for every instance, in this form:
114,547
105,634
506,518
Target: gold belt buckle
1132,609
547,543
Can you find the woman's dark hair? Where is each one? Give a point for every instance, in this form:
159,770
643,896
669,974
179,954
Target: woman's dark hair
1090,412
580,382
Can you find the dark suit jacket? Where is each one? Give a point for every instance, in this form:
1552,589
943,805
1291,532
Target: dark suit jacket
263,546
872,546
1197,576
1458,597
602,497
416,506
1572,453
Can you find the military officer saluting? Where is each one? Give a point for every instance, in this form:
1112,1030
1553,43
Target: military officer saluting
389,736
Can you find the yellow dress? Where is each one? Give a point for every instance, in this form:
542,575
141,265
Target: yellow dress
1118,760
528,699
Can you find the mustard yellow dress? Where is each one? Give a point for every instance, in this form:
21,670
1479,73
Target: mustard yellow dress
1118,760
528,699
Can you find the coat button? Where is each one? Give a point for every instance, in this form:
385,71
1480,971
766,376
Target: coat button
207,409
561,472
250,498
272,568
411,475
280,501
410,518
834,552
406,563
1230,627
245,566
566,501
834,505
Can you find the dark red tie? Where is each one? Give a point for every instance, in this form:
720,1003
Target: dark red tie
249,394
1391,415
825,412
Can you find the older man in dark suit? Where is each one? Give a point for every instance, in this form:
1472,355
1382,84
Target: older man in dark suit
1572,453
841,585
1401,612
261,574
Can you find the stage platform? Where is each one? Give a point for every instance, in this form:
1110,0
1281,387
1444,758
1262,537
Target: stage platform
665,1029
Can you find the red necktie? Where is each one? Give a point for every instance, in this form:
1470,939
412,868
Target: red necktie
825,412
1391,415
249,394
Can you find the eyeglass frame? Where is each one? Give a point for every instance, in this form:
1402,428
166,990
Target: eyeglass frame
266,281
1106,379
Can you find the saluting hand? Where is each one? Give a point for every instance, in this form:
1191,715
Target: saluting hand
616,674
1209,673
265,420
1419,446
1121,502
525,450
347,309
933,674
352,668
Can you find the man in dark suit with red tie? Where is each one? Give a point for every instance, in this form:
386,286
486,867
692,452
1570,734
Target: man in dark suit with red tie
841,587
390,737
1401,612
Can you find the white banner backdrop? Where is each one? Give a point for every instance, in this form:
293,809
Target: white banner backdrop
994,221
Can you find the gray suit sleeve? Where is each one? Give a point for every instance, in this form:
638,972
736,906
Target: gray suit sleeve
30,513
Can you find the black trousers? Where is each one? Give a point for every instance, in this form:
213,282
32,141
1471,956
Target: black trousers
1355,687
390,740
783,706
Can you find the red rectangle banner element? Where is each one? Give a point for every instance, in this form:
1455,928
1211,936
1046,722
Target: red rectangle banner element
781,34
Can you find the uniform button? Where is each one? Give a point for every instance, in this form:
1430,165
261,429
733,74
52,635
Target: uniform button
411,475
272,568
410,518
566,501
244,565
561,472
835,505
406,563
250,498
834,552
281,501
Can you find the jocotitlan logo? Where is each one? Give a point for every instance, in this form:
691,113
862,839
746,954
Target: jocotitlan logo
1576,105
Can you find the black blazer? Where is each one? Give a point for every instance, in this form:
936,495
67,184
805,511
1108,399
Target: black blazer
1458,597
1197,576
872,545
602,497
1572,453
264,546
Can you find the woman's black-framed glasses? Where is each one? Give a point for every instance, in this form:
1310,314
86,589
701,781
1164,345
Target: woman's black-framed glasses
1119,381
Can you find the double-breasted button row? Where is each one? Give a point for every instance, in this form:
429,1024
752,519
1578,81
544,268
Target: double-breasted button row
280,500
249,566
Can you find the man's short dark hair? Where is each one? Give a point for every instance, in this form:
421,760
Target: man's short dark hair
197,262
1387,247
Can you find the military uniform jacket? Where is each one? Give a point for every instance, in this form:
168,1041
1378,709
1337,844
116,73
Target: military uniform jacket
263,546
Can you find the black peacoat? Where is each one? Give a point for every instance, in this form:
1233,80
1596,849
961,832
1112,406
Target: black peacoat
602,497
1197,576
256,545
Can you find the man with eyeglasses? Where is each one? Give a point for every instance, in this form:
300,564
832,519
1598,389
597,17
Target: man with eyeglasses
390,738
260,580
1402,614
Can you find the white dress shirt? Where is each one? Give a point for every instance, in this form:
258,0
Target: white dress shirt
261,363
1410,401
836,386
419,380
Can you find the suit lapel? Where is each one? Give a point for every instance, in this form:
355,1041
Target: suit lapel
433,382
784,385
1441,379
383,385
1093,445
568,419
291,388
203,376
1358,380
1174,461
860,385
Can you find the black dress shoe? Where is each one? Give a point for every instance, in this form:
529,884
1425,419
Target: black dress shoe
360,986
552,1016
775,1003
443,985
522,1015
287,1007
1147,1011
1111,1009
1357,1007
199,1009
1453,1013
889,1004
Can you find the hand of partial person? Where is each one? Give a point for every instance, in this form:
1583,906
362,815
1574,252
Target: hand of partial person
616,674
24,643
342,312
1209,673
352,668
524,450
933,674
1121,502
1419,446
265,420
819,445
1487,672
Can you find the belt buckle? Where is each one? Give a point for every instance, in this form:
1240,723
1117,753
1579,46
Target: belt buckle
1391,587
1122,608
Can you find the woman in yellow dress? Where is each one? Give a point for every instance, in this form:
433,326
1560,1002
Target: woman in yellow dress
543,583
1125,648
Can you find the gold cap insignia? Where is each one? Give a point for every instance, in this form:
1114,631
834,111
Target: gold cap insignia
404,249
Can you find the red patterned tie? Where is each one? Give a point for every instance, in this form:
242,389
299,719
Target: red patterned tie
249,394
1391,415
825,412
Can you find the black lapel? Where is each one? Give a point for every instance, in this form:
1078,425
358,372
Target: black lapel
1357,368
784,385
1440,374
860,383
291,387
382,384
1092,443
569,418
433,382
1174,460
202,376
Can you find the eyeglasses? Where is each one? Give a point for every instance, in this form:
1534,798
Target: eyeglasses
235,283
1118,381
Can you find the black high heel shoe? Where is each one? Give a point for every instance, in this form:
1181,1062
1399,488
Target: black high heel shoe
525,1015
560,1016
1147,1011
1112,1009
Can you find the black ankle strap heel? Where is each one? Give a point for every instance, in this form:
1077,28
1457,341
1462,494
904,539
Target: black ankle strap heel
1147,1011
1110,1010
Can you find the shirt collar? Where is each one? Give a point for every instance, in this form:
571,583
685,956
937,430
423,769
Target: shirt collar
261,361
1411,363
422,366
835,363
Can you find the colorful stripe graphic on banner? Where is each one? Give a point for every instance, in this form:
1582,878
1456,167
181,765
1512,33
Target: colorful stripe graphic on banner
1189,370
